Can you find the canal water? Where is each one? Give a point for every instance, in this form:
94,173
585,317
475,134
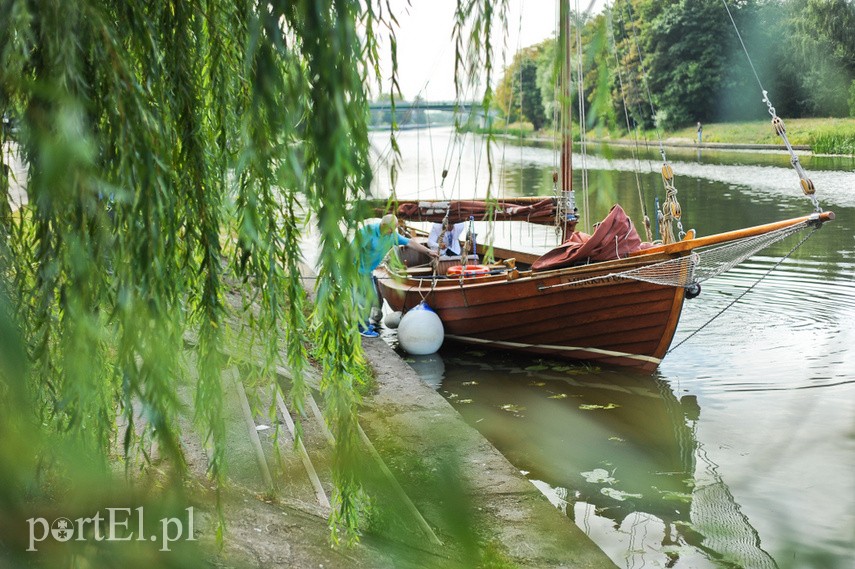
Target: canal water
739,451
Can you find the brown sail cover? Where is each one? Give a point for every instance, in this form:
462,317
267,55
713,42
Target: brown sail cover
614,238
541,211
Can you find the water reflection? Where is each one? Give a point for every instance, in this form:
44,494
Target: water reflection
774,373
431,368
615,451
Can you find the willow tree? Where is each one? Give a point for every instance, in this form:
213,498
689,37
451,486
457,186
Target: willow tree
173,147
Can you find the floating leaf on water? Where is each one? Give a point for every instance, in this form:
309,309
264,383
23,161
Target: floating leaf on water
452,396
468,383
537,383
511,408
464,401
617,439
558,396
618,495
676,497
598,476
588,407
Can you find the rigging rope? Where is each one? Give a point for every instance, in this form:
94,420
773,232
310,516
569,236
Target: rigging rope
583,121
629,127
671,210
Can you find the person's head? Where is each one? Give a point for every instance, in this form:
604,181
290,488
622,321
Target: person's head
388,224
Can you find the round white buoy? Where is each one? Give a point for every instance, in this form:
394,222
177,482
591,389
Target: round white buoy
392,320
420,331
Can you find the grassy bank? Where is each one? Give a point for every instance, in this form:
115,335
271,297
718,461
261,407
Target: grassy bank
822,135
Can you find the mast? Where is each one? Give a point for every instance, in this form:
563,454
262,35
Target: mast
567,203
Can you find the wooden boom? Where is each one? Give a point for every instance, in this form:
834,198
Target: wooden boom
689,244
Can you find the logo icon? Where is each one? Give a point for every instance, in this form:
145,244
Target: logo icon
62,529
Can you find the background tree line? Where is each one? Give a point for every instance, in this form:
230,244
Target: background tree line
686,54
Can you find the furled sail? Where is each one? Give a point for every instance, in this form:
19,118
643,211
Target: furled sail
533,210
614,238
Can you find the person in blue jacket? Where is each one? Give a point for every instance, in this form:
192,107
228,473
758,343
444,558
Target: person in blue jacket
373,241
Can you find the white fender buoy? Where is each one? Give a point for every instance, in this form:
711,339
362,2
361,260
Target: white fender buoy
392,319
420,332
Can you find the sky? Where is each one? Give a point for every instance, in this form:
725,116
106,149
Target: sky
426,48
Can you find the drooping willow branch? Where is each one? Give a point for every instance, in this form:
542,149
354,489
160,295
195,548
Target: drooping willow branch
173,149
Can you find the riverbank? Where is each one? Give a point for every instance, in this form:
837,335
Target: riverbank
820,136
502,508
440,494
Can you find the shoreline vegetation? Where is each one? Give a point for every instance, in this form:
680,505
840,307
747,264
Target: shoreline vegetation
835,136
828,136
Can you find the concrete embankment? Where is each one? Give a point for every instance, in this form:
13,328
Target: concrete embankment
405,415
439,494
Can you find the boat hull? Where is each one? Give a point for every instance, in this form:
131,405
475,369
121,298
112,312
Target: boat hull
577,313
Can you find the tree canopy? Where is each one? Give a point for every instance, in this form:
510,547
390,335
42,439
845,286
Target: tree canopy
518,94
680,61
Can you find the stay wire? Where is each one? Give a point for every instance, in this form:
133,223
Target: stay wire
645,83
742,43
583,119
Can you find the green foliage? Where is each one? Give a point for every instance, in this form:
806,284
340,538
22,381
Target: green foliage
547,80
833,144
173,150
631,95
519,96
601,77
677,62
852,99
531,105
823,38
687,46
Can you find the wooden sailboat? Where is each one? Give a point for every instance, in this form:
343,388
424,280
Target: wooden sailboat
620,311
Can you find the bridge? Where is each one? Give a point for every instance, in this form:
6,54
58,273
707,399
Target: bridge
407,112
467,106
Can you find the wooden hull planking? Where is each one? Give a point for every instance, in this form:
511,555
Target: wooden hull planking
616,321
611,320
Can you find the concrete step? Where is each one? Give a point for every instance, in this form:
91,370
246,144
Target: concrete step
298,476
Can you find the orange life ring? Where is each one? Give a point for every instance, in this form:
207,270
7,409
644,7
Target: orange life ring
471,270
